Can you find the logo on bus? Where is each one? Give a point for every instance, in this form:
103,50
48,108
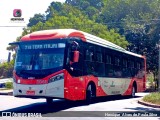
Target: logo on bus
112,85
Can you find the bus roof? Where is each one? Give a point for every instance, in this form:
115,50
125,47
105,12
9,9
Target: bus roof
64,33
99,41
53,34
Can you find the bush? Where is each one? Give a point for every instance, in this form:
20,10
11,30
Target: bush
9,85
150,79
6,69
152,98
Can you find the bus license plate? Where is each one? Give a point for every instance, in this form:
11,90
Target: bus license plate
30,92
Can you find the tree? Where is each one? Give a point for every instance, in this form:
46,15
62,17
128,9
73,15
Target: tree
88,7
84,24
37,18
6,69
60,15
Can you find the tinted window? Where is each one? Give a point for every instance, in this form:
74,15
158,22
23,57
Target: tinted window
124,62
89,53
117,61
108,59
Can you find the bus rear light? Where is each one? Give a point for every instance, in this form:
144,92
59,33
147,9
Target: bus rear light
56,78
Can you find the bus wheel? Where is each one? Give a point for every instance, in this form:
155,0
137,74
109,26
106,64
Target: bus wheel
49,100
133,92
90,93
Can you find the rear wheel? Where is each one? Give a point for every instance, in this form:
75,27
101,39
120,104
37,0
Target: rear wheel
90,93
49,101
133,92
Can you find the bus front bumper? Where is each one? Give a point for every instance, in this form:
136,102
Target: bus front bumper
54,90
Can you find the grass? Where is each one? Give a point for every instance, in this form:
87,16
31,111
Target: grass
152,98
1,89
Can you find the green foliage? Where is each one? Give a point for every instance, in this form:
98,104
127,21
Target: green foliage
114,20
150,80
65,15
37,18
9,85
153,98
60,15
6,69
136,20
84,24
84,4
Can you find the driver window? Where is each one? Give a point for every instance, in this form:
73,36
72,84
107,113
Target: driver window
75,68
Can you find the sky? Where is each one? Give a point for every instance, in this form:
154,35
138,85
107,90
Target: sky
8,31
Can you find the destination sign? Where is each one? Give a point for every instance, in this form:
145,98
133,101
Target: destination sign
42,46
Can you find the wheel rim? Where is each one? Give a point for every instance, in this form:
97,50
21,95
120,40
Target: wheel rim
133,92
90,91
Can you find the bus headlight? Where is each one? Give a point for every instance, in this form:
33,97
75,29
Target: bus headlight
56,78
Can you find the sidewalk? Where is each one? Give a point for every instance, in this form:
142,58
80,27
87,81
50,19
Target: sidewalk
6,92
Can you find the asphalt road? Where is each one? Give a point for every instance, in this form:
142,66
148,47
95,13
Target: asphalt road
100,109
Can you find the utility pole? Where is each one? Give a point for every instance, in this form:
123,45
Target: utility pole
9,57
159,66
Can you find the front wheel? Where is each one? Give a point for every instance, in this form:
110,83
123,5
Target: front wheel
90,93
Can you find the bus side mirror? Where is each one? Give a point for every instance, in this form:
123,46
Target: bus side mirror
76,56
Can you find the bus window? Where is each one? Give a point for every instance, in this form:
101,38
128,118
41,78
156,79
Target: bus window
89,53
131,64
89,67
108,59
125,63
109,70
98,57
117,61
98,54
138,65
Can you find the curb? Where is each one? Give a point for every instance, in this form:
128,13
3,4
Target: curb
148,104
6,93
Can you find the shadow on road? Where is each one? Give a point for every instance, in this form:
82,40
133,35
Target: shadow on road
58,105
141,109
141,112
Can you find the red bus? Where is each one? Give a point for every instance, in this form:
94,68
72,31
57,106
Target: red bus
74,65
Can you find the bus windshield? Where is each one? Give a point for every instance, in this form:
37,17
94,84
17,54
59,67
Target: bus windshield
39,59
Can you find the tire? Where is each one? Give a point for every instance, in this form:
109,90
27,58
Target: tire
49,101
90,94
133,92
